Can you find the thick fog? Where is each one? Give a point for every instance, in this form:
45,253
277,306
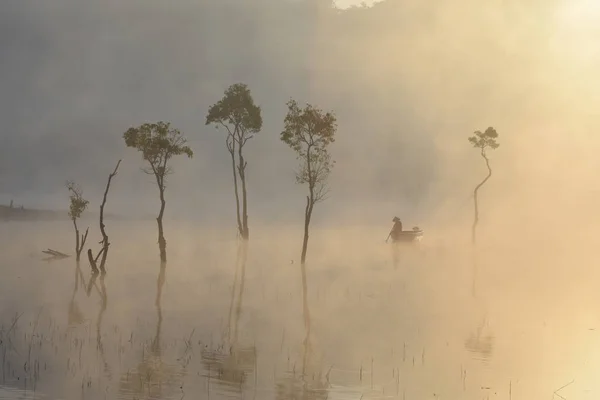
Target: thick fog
515,316
408,80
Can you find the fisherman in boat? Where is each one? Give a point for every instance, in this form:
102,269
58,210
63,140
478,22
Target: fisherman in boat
396,229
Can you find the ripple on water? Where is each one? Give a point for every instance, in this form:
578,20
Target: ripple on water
8,393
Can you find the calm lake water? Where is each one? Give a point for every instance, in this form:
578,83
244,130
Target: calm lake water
516,320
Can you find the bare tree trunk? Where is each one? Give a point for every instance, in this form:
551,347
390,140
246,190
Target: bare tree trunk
476,219
162,243
79,240
310,202
235,187
77,250
105,243
242,171
307,216
82,243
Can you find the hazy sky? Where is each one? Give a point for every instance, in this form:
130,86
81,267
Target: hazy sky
408,80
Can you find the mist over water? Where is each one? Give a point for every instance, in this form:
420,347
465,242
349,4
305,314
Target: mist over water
514,317
443,321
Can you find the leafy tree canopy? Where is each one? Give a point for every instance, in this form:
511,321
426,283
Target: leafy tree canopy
483,140
308,128
78,203
157,142
309,131
237,109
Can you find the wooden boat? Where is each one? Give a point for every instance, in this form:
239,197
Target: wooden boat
408,236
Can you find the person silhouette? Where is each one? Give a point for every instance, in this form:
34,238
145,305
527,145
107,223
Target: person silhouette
396,229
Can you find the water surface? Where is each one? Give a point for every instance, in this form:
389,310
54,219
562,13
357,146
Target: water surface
220,321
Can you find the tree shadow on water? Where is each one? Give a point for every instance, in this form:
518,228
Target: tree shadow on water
405,253
77,318
309,383
395,249
479,343
230,363
153,377
103,304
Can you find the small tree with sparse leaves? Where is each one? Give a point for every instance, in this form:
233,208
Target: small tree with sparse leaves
76,208
238,114
309,132
158,143
482,141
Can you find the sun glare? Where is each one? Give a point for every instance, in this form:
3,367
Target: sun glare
578,32
350,3
581,13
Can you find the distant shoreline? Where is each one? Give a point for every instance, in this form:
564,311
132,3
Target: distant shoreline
8,213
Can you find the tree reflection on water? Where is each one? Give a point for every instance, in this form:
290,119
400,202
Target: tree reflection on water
153,377
308,383
231,362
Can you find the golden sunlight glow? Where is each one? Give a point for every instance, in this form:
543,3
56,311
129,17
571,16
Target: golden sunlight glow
581,17
582,11
576,37
350,3
236,310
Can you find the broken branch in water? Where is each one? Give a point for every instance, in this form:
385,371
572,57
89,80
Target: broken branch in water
56,254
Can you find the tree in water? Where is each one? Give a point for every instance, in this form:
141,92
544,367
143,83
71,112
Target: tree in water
77,207
242,119
158,143
104,242
309,132
482,141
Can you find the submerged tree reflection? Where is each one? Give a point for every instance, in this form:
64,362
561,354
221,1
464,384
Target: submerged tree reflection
231,362
75,316
309,383
153,377
480,343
